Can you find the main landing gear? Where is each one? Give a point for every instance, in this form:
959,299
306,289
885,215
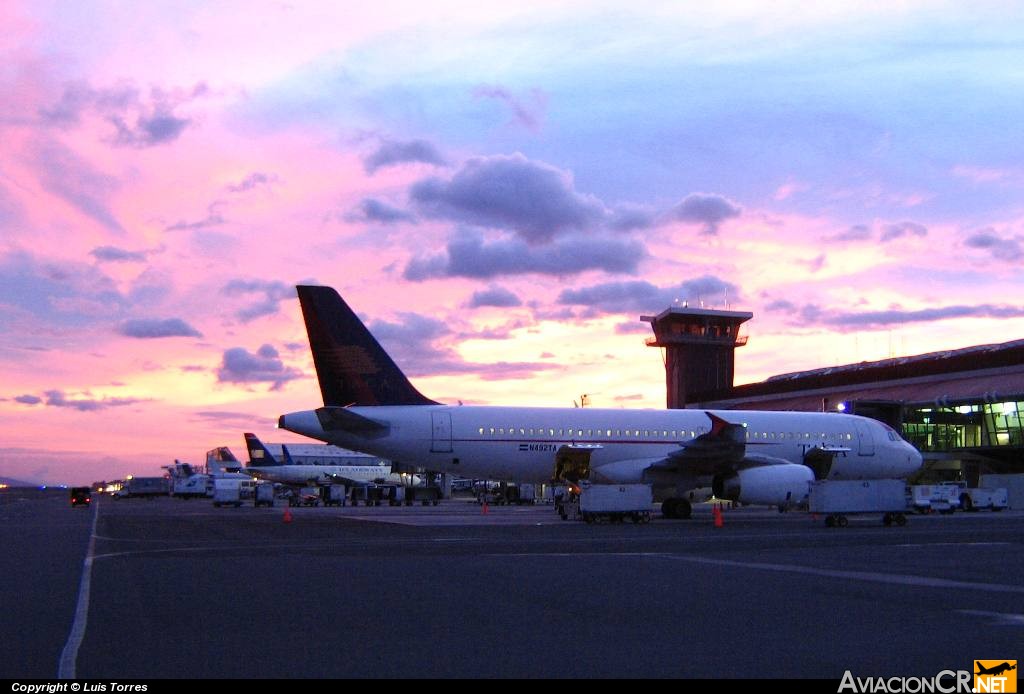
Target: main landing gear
676,508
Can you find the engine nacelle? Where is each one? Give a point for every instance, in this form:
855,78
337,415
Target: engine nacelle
770,484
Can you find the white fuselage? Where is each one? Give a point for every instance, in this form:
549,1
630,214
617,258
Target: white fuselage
325,474
520,443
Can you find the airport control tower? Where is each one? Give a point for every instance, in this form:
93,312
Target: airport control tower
700,346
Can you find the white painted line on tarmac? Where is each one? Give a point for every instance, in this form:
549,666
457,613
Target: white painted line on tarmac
69,656
998,618
952,544
867,576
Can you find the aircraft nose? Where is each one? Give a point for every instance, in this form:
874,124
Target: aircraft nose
914,458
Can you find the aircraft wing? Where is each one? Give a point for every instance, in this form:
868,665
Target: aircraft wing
721,451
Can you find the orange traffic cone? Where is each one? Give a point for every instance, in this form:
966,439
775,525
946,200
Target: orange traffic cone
287,515
716,513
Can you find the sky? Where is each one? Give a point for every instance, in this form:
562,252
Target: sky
499,191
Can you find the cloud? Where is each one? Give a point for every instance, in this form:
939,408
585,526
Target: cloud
57,398
69,177
979,174
138,121
641,296
112,254
150,328
858,232
815,264
413,342
28,399
470,255
62,294
1000,248
373,210
213,218
392,153
705,209
265,366
894,317
494,296
157,128
253,180
630,217
273,292
534,199
529,116
239,420
814,314
895,231
781,305
633,328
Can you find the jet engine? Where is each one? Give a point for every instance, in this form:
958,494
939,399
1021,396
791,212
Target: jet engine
771,485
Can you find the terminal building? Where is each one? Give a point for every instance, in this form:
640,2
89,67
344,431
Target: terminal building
961,408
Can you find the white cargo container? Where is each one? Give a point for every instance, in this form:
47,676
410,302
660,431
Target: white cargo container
264,495
227,493
837,498
616,502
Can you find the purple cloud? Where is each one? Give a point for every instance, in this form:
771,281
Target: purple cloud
57,398
392,153
707,210
533,199
470,255
373,210
239,365
112,254
273,292
253,180
640,296
530,117
494,296
152,328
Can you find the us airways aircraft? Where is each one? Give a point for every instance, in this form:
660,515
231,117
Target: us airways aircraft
360,470
748,456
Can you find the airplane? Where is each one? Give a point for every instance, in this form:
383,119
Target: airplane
995,670
757,457
265,465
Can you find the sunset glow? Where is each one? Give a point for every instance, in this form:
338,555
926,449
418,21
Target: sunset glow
499,192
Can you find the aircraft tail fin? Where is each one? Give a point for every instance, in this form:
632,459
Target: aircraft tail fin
352,367
286,455
259,455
